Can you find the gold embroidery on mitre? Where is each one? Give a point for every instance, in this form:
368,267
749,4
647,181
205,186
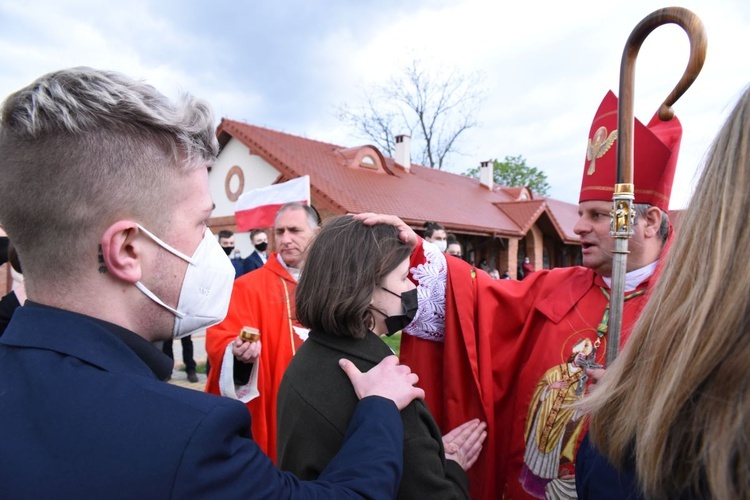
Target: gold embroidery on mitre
598,145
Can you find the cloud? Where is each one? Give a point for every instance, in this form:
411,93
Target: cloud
287,65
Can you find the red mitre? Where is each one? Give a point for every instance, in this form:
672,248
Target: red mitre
655,152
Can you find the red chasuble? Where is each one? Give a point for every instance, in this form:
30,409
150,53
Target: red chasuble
513,354
263,299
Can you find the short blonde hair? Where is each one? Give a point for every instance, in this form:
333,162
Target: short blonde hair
81,148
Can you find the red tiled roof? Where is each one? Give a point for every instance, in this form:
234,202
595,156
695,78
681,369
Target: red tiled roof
459,203
514,192
564,216
523,213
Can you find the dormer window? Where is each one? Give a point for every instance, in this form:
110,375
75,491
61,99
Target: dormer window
364,157
368,162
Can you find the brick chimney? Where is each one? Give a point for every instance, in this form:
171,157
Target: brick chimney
402,154
485,174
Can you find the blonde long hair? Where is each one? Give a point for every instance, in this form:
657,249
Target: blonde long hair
677,398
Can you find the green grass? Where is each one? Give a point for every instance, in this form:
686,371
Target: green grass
394,342
200,367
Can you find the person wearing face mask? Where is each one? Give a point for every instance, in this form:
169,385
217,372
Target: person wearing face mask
214,304
111,266
435,234
258,257
250,370
355,289
226,240
185,339
454,248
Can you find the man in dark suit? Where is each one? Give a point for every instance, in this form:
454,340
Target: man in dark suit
258,257
104,191
226,240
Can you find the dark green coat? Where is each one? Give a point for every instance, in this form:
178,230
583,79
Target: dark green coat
316,401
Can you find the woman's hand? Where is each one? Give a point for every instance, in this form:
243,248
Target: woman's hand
463,444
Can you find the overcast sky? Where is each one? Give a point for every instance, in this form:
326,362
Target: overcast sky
287,65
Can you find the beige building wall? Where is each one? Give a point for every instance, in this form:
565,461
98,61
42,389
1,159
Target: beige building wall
237,171
510,259
535,247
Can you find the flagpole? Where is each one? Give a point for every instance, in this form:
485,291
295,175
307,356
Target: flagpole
623,214
307,183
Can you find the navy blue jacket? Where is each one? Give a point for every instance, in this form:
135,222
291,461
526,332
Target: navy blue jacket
597,478
83,416
251,262
238,265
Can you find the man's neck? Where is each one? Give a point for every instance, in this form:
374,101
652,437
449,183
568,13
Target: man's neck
635,277
293,271
93,297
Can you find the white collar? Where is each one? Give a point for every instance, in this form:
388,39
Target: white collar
635,277
293,271
262,255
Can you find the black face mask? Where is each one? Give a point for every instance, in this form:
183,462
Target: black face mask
228,250
261,247
409,304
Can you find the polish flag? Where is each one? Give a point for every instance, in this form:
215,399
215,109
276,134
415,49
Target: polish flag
257,208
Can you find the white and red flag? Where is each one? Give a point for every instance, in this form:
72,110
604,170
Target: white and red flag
257,208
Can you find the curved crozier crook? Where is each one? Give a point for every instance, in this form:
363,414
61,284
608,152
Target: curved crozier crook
693,26
624,189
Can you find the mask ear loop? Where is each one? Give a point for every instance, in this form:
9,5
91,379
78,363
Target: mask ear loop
392,293
140,286
167,247
372,307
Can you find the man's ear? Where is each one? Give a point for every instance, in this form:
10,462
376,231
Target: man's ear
653,222
120,252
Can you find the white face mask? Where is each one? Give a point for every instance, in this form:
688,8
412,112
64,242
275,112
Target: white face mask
441,244
206,289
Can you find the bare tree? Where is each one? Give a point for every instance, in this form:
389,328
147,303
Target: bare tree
434,107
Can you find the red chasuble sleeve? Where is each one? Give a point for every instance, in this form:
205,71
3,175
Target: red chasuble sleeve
463,390
471,374
263,299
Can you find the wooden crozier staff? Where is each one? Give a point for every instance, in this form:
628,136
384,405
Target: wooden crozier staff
623,214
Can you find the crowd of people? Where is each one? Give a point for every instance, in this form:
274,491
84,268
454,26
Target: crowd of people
501,389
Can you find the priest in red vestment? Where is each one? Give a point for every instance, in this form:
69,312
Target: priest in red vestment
515,352
263,299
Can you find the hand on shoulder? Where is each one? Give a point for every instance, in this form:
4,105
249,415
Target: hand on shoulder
387,379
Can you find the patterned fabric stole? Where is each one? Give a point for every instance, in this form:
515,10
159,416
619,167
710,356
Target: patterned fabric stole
603,327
